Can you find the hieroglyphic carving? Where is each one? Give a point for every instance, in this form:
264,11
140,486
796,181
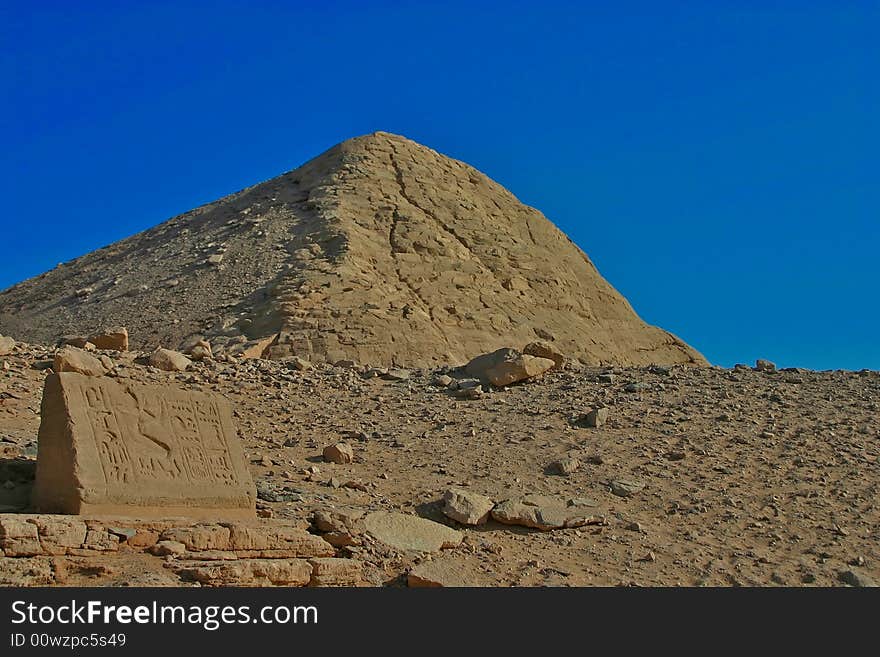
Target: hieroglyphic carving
141,445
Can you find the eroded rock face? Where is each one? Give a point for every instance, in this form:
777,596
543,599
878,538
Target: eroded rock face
382,238
106,448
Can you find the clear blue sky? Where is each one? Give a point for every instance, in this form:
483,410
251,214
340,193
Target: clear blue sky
717,160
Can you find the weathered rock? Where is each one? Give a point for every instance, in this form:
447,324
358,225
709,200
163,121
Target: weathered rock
338,453
248,572
168,549
637,386
546,350
626,487
26,572
114,339
300,364
107,448
443,572
564,466
256,348
396,374
762,365
468,393
170,361
443,381
466,267
595,418
407,532
505,366
544,513
331,571
7,344
78,341
339,520
856,577
201,350
199,537
98,539
18,537
71,359
59,534
467,507
277,537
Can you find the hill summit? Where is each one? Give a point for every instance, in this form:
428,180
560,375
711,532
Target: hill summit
380,250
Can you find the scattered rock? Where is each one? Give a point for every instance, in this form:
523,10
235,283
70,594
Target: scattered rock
443,572
466,507
396,374
505,366
71,359
443,381
339,453
635,387
407,532
300,364
170,361
468,393
856,577
544,513
595,418
564,466
200,350
762,365
626,487
113,339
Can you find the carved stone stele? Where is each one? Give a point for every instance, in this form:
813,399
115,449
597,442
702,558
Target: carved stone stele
107,448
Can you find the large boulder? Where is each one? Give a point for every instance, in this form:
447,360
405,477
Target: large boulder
505,366
170,361
71,359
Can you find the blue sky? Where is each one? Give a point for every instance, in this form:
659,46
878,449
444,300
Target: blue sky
718,161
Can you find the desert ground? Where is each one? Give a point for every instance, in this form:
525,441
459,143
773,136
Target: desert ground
699,476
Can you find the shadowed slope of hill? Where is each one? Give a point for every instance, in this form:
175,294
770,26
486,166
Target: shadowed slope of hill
379,250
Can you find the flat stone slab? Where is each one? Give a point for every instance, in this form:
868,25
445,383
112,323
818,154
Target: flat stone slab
406,532
545,513
444,572
134,450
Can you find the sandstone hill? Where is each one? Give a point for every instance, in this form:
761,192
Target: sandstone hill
380,251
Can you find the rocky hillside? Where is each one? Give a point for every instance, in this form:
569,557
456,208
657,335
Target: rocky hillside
380,251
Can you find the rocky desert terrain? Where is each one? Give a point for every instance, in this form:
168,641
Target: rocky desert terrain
432,386
694,475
